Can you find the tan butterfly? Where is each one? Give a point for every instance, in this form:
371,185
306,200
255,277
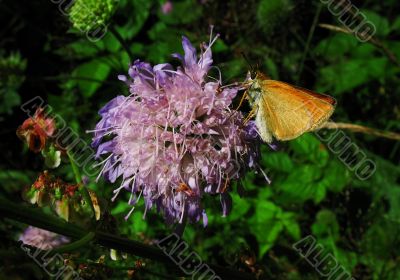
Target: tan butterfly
284,111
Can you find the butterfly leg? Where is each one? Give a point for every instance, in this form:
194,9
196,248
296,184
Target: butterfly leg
250,115
244,96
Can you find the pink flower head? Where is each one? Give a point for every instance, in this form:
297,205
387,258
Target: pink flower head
175,137
42,239
167,7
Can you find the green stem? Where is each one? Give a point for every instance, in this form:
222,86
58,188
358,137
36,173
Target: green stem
82,188
75,245
75,169
309,38
35,217
122,42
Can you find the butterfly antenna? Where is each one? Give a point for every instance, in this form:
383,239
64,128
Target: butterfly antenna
248,62
258,65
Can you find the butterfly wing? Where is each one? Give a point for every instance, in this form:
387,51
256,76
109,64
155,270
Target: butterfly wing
262,124
287,111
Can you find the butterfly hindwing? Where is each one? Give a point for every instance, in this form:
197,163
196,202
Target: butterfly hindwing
287,111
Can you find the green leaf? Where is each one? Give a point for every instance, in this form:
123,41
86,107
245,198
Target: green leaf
159,52
111,43
319,192
9,99
138,223
95,72
379,238
363,51
266,225
240,207
81,48
381,23
377,67
234,68
336,176
270,13
271,68
279,161
166,41
269,221
396,25
336,46
271,233
300,184
15,180
345,75
219,46
138,12
326,226
346,258
304,145
310,148
291,225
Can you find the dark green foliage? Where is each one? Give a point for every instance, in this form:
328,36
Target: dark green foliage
12,68
272,13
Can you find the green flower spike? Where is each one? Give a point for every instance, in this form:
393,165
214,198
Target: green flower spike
87,15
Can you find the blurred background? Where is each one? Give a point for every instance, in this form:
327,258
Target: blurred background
313,191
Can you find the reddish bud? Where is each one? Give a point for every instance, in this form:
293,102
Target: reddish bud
36,130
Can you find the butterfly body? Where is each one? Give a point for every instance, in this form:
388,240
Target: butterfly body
284,111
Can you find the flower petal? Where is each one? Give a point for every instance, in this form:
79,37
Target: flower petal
190,58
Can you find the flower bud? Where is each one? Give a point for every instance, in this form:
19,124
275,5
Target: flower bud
87,15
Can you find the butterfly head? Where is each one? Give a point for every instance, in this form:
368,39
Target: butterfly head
254,91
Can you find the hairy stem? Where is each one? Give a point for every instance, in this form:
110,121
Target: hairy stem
75,245
35,217
363,129
82,188
122,42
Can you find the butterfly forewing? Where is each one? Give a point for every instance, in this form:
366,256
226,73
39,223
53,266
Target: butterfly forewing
288,111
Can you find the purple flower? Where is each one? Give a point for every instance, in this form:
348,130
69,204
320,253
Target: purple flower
175,137
42,239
